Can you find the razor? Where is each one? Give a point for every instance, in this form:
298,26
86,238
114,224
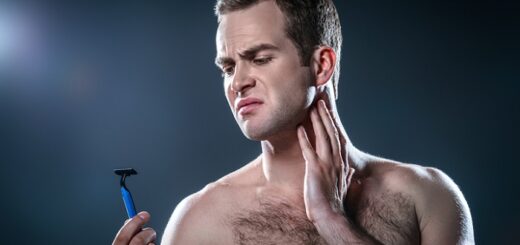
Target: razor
127,197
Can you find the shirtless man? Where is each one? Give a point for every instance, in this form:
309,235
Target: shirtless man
310,185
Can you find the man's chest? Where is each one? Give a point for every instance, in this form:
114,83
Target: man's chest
274,223
387,216
390,218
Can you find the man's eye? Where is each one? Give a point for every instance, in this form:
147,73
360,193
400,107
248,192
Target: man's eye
227,71
262,61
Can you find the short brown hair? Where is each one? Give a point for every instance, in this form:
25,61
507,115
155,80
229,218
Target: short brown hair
309,23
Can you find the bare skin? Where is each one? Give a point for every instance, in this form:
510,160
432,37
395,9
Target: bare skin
310,185
387,203
133,231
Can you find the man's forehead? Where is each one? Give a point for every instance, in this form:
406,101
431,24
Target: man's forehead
230,48
260,12
243,44
261,23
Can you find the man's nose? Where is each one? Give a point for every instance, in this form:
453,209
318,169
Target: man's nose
242,80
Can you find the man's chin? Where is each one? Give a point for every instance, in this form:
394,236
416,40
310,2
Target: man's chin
253,136
262,133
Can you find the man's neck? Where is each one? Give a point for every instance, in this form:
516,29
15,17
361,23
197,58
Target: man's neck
282,161
283,164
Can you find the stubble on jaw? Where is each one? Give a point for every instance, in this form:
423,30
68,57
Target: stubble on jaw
287,115
282,120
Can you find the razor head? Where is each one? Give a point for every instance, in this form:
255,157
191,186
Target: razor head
125,171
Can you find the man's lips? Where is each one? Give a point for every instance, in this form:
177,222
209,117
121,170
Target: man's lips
244,106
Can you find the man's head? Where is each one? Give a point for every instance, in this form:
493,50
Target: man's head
270,80
308,23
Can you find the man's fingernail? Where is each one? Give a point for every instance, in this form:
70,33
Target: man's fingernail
143,215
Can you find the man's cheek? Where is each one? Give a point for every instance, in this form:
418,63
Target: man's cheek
229,98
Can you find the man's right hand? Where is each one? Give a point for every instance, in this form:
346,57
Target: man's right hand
133,233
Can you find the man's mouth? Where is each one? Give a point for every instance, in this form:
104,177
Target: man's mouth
247,105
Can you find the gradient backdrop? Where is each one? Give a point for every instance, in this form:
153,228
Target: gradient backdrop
86,87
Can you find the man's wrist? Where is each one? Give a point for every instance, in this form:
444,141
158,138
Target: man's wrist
337,228
325,218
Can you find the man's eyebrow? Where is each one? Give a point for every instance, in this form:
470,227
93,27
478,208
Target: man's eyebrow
220,61
247,54
252,51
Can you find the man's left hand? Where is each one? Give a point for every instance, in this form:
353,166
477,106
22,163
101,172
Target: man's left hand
325,185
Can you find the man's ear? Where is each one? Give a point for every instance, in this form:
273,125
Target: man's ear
323,63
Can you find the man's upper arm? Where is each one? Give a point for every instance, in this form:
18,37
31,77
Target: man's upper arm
193,221
179,230
443,213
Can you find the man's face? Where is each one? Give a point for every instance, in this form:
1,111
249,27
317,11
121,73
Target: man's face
266,86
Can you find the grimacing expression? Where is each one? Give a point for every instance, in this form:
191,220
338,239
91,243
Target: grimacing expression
267,88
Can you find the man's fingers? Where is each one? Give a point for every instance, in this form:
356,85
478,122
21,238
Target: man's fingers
330,127
322,138
305,145
334,142
146,236
350,174
347,182
131,227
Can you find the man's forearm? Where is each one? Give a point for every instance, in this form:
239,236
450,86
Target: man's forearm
337,229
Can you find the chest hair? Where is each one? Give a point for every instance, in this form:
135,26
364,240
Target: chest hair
274,223
390,218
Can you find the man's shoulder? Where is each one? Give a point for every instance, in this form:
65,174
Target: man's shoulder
201,216
222,191
219,193
422,184
436,198
206,210
416,183
428,185
412,179
191,217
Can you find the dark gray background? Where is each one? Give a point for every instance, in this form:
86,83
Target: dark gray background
87,87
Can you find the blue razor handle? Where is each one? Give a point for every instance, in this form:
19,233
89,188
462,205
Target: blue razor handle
129,202
127,197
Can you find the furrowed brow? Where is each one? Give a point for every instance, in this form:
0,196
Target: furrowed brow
246,54
252,51
222,61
